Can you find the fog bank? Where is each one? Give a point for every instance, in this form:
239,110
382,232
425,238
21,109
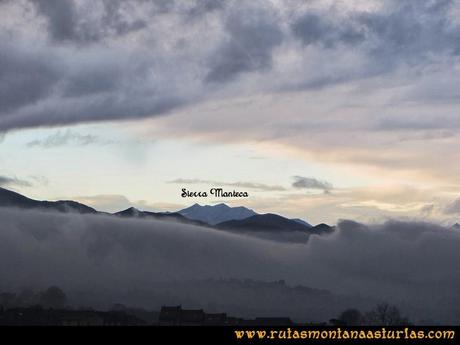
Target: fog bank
412,265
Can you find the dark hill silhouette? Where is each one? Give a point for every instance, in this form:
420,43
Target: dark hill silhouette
12,199
322,228
258,223
272,223
133,212
214,214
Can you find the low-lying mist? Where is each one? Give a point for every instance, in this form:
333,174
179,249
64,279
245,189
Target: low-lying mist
101,260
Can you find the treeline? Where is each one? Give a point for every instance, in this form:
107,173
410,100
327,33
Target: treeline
383,314
53,297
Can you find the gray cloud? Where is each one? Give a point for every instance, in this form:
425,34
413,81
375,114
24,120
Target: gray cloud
418,122
111,60
388,262
411,29
315,28
408,30
301,182
68,137
68,20
6,181
200,8
68,23
409,33
25,76
252,36
61,17
240,184
453,207
101,88
427,210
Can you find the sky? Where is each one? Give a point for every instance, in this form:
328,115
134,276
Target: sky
322,110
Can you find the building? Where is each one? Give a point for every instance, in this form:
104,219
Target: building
37,316
176,316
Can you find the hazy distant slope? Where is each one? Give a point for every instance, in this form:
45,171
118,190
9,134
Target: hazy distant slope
174,216
12,199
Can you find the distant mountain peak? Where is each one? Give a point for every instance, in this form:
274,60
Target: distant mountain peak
214,214
221,205
220,216
131,211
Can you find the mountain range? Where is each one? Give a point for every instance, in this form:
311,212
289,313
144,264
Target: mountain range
220,217
216,214
270,222
221,213
9,198
174,216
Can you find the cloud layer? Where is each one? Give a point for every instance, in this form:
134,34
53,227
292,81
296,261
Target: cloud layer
301,182
76,60
413,265
61,139
6,181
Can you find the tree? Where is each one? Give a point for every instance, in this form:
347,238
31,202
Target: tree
7,300
53,297
385,315
351,317
27,298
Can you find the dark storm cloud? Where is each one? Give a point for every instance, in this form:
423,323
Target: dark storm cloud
251,38
26,76
6,181
79,61
314,28
115,19
301,182
67,23
409,33
411,29
401,262
61,17
202,7
408,29
50,87
240,184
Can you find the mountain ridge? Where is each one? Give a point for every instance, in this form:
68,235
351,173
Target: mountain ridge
247,220
270,222
214,214
10,198
134,212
